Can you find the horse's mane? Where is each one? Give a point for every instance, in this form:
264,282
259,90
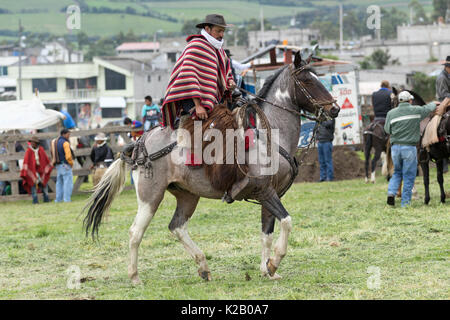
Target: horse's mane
417,98
269,82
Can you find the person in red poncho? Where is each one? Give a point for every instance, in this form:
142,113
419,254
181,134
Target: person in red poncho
201,76
36,170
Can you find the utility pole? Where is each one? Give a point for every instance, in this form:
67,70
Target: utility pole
262,27
20,59
341,32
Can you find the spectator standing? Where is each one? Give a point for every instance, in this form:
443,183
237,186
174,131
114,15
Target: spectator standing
36,170
403,124
102,156
325,136
63,159
150,114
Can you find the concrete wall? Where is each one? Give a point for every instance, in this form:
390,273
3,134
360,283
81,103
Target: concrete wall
428,33
297,37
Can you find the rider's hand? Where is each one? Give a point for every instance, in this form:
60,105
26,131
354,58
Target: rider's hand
231,84
201,112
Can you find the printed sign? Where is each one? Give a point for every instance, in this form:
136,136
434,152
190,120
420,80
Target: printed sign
347,129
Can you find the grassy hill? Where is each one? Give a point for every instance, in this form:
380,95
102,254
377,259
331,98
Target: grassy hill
49,15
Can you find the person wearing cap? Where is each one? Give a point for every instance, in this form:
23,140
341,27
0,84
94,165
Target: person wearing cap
63,157
443,90
102,156
202,75
36,170
403,124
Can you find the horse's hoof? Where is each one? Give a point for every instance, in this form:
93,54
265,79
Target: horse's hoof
271,267
276,276
205,275
136,281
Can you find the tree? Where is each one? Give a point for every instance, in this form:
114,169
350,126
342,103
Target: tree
440,8
420,17
380,58
424,85
189,27
390,20
82,39
327,29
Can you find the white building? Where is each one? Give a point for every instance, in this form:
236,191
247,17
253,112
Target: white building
295,37
97,92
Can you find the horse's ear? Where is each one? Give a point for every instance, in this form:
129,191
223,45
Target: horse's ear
395,91
297,60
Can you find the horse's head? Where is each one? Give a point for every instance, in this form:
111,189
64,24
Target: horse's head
310,94
417,101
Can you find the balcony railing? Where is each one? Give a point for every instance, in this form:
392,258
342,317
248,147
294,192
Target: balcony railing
81,93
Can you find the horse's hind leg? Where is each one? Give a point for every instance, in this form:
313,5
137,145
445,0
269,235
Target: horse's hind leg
426,180
153,193
374,164
367,148
270,202
186,204
440,178
268,223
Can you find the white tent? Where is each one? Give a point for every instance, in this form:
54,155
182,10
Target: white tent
27,115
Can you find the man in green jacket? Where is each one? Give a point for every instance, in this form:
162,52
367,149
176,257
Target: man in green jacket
403,124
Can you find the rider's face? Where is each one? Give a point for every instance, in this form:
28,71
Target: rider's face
216,32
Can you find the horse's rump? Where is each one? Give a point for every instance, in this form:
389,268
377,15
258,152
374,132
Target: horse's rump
221,176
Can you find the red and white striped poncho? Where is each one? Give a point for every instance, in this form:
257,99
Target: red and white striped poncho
195,75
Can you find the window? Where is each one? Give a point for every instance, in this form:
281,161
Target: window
86,83
3,71
114,80
44,85
111,112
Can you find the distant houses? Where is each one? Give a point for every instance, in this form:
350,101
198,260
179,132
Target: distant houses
94,93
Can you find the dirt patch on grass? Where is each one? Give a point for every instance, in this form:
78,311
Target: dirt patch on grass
347,165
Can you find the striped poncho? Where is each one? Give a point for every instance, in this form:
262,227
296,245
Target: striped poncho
201,72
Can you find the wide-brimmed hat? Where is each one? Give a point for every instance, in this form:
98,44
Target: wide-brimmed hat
447,62
214,19
100,137
34,139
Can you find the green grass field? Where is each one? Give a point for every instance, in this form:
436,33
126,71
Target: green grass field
341,231
51,19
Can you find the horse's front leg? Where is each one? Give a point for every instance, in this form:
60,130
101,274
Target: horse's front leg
440,178
267,223
270,202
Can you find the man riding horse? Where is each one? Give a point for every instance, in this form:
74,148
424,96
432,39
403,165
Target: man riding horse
202,75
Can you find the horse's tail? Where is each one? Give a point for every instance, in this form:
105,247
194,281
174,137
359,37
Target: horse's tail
106,190
388,165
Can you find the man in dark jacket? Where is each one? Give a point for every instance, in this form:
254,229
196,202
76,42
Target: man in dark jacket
443,90
381,101
325,136
102,156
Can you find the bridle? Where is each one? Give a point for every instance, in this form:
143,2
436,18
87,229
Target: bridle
318,105
319,112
